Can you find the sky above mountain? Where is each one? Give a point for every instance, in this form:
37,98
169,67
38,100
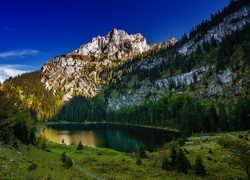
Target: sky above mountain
33,32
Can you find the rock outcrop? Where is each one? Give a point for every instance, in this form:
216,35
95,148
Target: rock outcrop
230,23
117,44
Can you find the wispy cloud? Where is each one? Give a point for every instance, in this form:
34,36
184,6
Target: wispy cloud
8,70
25,52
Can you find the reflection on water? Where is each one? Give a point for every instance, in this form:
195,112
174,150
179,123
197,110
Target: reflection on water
88,138
118,137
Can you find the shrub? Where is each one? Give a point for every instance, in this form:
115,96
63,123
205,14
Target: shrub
63,158
141,151
69,162
165,164
224,142
80,146
210,151
32,167
138,161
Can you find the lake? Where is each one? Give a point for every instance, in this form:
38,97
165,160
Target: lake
118,137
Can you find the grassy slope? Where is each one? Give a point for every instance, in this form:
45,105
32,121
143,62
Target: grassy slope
14,165
108,164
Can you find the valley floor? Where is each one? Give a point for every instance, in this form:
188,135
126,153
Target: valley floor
30,162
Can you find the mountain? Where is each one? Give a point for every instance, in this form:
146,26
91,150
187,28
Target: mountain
88,69
119,71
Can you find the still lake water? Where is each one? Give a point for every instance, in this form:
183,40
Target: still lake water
118,137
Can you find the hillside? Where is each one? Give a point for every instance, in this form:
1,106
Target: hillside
120,71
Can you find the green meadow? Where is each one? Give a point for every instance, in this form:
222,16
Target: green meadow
31,162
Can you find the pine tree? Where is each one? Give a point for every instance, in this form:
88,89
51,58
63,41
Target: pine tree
80,146
69,162
63,158
173,155
200,168
182,162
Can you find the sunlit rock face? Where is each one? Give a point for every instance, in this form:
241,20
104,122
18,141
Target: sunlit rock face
117,44
82,71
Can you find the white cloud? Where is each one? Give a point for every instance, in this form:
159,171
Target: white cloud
25,52
8,70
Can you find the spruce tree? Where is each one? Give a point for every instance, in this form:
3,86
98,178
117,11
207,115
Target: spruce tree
69,162
200,168
182,162
63,158
80,146
173,155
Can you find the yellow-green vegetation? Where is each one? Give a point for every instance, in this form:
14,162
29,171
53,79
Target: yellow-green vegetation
30,162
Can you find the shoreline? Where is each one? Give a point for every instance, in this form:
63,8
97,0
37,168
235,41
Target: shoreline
45,123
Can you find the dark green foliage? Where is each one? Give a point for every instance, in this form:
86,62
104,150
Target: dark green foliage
173,156
200,168
141,151
138,161
241,155
182,162
166,164
15,145
210,151
81,108
21,132
44,145
224,142
69,162
187,114
32,167
64,158
15,119
80,146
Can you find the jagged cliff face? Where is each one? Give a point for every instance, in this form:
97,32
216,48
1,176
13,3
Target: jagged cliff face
89,69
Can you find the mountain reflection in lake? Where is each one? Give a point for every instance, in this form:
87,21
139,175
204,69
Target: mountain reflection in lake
118,137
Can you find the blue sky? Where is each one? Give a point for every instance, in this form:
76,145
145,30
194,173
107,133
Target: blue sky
33,32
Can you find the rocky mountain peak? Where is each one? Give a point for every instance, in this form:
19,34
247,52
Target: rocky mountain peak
117,44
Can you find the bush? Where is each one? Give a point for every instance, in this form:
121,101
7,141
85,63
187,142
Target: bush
224,142
32,167
210,151
80,146
165,164
138,161
69,162
63,158
141,151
